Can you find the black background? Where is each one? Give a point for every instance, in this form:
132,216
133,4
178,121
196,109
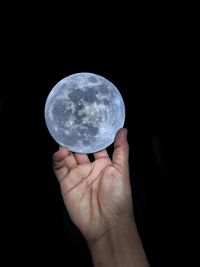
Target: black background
142,56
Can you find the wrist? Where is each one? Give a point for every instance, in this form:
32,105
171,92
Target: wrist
119,246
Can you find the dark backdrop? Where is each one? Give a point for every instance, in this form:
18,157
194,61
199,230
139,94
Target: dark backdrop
144,62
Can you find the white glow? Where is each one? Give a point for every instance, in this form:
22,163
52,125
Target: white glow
83,112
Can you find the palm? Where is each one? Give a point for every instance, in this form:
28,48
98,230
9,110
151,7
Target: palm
95,193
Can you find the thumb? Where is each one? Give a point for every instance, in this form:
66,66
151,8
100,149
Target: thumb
121,150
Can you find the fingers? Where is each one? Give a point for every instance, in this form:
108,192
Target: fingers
121,150
59,163
64,158
59,158
101,154
71,161
81,158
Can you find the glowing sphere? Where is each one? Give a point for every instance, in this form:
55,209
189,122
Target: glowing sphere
83,112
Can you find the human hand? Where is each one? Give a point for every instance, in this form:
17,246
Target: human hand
96,194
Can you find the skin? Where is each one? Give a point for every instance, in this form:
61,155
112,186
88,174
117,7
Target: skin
98,198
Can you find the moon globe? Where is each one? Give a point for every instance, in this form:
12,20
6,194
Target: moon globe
83,112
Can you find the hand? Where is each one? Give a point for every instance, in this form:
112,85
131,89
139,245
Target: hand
98,198
97,194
